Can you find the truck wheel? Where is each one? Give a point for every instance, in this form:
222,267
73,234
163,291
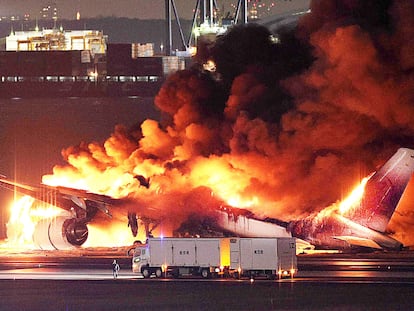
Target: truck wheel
175,273
205,273
146,273
271,276
158,273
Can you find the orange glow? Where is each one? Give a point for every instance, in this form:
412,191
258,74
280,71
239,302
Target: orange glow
225,253
117,234
240,203
227,182
223,179
23,218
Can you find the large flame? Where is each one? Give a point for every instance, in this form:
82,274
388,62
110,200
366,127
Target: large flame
352,200
116,234
24,214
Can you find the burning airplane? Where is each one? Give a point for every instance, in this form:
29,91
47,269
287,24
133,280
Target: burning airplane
359,221
362,222
280,130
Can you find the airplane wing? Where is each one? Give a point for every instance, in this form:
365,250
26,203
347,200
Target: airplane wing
63,232
80,197
66,232
63,197
357,241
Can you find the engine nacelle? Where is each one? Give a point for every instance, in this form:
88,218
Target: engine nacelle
60,233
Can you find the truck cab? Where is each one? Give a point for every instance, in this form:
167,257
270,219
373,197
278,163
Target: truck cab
140,261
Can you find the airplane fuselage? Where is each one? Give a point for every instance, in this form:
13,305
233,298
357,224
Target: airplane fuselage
338,232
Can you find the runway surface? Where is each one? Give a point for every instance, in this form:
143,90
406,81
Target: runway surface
46,281
132,294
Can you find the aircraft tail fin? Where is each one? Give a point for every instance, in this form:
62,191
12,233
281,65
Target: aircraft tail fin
384,190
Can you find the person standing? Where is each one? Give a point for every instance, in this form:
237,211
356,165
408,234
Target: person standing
115,268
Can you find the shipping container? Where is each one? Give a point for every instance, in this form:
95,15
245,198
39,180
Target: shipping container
147,66
8,63
31,63
269,257
58,63
142,50
119,59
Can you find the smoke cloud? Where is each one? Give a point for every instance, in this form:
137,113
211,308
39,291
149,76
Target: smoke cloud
283,129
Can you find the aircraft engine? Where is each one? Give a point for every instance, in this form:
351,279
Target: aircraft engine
60,233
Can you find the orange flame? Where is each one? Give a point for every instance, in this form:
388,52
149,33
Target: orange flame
23,218
348,203
113,236
353,198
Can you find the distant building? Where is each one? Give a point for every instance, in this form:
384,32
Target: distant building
58,40
49,11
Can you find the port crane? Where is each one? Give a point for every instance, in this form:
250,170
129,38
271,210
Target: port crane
205,19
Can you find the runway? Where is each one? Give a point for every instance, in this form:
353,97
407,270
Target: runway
388,277
39,281
96,264
133,294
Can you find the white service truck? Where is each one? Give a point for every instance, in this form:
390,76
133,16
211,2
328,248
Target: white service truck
178,257
270,257
211,257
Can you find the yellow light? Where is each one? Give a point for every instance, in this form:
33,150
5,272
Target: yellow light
93,74
193,50
224,253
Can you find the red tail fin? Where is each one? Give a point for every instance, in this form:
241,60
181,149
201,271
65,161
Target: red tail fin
383,191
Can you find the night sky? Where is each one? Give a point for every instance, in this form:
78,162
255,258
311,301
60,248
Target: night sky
143,9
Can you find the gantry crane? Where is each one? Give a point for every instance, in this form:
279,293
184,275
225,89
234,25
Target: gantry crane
204,17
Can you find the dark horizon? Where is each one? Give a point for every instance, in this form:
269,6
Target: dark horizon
142,9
